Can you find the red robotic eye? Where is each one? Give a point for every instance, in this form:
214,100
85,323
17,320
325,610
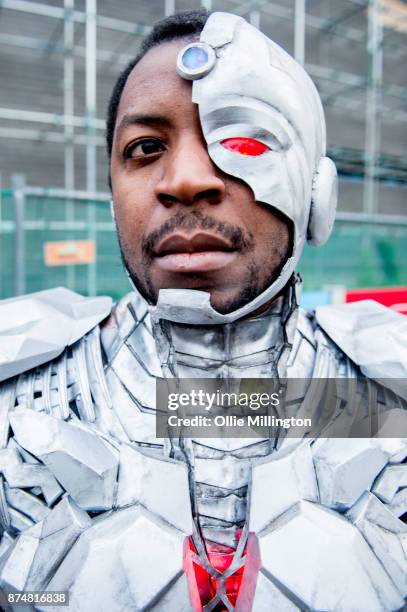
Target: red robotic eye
245,146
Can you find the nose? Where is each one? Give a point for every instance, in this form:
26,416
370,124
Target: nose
189,176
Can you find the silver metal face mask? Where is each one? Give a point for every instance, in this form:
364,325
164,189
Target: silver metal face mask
251,88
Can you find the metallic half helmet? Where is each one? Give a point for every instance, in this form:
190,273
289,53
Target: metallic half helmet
263,122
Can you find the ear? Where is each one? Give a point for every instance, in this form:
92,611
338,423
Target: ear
323,202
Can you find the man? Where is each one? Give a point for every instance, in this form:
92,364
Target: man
213,198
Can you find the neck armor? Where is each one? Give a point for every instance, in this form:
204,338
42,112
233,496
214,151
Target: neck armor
258,346
247,86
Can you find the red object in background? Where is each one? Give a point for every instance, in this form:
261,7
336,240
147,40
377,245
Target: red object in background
393,297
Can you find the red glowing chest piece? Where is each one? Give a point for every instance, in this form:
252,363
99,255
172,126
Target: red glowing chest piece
245,146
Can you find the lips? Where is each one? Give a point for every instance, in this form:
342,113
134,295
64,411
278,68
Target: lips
201,242
201,252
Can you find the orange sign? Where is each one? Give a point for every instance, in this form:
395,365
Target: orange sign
69,252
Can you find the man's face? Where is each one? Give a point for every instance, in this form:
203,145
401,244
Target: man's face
183,223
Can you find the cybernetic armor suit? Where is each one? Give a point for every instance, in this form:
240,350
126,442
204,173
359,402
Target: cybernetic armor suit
92,502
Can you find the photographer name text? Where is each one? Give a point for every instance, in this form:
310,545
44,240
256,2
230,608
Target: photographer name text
235,421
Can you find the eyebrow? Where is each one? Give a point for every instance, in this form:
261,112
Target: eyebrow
143,119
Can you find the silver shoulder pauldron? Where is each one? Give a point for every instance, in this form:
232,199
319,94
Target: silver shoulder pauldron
36,328
373,337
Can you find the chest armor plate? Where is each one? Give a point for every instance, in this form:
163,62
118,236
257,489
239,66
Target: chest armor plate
123,520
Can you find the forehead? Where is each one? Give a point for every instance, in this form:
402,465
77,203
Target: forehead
155,82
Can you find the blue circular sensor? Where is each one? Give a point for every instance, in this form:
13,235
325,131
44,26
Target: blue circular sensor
195,61
195,57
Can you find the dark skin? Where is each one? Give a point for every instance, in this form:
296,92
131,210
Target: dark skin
182,222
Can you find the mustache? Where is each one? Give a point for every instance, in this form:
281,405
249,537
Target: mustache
239,239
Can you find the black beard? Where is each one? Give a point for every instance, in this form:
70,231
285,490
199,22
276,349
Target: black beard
239,241
196,220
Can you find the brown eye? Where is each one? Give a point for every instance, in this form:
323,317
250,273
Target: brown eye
144,148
